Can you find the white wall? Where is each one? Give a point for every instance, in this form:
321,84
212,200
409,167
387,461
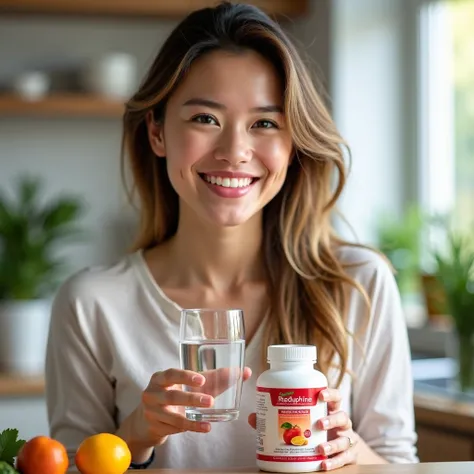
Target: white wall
73,155
368,59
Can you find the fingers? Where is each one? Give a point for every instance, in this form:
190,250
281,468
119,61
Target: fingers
343,452
219,380
338,445
212,382
339,420
333,398
247,373
177,398
252,419
172,377
168,422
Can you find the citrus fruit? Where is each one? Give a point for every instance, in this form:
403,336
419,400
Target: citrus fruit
290,432
298,441
42,455
104,453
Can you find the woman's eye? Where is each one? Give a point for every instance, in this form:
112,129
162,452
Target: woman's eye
205,118
265,124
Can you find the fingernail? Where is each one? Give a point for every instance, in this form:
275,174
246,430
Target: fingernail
325,423
324,395
204,426
205,400
327,465
198,379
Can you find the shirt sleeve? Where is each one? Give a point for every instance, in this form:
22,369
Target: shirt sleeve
79,394
382,404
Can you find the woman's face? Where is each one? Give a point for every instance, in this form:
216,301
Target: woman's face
225,137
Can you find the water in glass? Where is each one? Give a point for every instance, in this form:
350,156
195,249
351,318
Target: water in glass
213,344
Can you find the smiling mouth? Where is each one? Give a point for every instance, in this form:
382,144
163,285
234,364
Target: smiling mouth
226,182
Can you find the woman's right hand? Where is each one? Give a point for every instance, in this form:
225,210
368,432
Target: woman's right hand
161,411
164,401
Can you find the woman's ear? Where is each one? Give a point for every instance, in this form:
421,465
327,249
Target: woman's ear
156,135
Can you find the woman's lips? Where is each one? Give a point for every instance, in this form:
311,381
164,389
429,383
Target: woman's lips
229,185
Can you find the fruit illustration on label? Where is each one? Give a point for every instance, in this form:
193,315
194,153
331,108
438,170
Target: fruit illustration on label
291,431
299,441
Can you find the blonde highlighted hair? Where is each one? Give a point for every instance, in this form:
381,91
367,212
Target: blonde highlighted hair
307,280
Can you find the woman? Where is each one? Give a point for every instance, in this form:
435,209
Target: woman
232,153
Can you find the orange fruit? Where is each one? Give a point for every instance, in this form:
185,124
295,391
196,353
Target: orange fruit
104,453
42,455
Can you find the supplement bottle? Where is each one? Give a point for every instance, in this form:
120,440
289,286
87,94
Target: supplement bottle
288,408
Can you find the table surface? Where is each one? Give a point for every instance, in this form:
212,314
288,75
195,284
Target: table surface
422,468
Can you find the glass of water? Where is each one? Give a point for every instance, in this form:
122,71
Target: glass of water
212,343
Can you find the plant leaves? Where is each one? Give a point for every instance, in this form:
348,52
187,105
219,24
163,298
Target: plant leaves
30,236
286,426
456,272
60,213
6,468
28,189
10,445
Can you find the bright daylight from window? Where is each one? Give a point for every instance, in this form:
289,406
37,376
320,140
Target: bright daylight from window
447,119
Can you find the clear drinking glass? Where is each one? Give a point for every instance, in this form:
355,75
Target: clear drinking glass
212,343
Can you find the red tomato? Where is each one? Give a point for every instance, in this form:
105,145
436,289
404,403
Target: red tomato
42,455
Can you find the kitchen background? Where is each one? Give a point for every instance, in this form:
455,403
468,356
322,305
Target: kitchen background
400,81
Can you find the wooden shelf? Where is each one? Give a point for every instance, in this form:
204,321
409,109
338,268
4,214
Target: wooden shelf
140,8
68,105
12,385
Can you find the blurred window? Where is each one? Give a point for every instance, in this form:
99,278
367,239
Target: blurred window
447,108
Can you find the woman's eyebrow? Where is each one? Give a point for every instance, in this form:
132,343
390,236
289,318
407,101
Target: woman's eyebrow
216,105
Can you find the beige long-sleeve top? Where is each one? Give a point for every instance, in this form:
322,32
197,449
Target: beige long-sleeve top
112,327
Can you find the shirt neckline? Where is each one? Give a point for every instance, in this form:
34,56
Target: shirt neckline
171,307
145,276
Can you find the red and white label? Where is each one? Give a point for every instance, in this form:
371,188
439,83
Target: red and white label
287,397
286,424
317,457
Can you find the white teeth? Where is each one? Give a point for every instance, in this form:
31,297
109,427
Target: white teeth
229,182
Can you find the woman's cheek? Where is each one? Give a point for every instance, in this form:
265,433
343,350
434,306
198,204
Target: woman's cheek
274,155
192,148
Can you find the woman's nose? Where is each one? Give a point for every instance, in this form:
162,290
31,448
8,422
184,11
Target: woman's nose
234,147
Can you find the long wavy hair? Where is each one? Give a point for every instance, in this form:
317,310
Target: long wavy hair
308,282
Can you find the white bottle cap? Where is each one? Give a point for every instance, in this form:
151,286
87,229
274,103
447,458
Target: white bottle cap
291,353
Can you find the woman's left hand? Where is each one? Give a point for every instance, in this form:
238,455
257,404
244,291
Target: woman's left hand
341,447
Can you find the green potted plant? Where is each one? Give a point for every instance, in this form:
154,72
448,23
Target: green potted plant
455,272
399,240
404,242
31,267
